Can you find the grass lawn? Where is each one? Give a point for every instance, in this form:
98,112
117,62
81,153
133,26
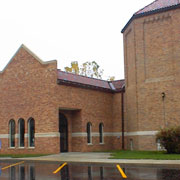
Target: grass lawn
159,155
22,155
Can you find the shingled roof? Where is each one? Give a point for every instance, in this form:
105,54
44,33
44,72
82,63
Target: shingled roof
71,79
158,4
155,7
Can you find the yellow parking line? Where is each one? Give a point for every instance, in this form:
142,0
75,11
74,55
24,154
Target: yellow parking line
57,170
121,171
12,165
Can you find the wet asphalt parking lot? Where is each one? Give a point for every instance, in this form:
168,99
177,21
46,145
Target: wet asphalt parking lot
19,170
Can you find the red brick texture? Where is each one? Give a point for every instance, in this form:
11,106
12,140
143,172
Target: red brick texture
152,46
28,88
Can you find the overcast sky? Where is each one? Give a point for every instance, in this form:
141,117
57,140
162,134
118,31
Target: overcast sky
68,30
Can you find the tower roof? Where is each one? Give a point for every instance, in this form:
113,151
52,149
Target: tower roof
156,6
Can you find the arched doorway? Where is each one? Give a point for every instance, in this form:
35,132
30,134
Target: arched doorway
63,129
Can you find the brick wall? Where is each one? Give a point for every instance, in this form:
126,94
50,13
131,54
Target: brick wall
28,88
152,62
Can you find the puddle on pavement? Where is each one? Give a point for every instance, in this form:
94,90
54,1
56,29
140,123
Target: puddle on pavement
75,171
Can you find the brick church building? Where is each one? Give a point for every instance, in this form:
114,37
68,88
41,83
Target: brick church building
46,110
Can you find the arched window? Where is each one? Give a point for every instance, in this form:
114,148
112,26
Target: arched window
89,137
12,133
31,132
21,132
101,137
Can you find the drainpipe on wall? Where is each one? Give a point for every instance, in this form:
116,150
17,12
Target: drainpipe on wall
164,112
122,110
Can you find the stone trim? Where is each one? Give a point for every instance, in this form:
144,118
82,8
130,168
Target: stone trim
50,134
84,134
80,134
4,136
110,134
141,133
95,134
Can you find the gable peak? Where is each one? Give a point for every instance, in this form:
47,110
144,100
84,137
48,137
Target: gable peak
29,52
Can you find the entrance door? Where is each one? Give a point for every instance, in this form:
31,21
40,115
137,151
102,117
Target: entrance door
63,129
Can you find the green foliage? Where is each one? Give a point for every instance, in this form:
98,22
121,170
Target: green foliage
169,138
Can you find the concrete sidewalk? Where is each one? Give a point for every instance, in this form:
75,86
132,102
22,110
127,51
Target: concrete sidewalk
99,158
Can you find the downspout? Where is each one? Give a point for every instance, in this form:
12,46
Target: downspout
122,110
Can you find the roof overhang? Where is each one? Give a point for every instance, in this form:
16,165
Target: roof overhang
149,13
80,85
75,84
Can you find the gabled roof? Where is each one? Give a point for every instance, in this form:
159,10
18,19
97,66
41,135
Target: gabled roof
31,53
155,7
90,83
76,80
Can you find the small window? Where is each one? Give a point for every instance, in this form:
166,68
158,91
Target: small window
89,136
21,132
12,133
31,132
101,137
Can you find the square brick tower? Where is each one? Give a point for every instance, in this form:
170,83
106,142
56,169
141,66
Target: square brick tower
152,72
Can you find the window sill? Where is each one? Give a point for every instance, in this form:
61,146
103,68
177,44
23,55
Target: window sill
11,148
101,143
31,147
21,147
89,144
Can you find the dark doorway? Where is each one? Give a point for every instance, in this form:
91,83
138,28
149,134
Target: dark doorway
63,129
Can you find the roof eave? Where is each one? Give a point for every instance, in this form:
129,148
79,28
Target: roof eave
86,86
149,13
80,85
